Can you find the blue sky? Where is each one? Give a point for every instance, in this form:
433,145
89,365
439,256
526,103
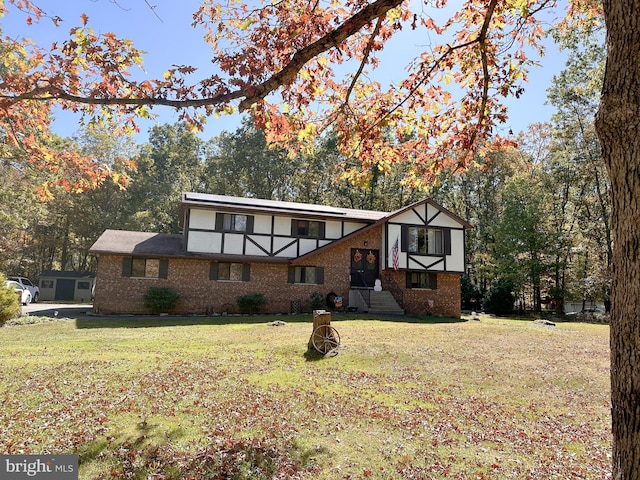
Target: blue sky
166,34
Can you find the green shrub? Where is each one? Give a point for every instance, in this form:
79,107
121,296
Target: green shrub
316,301
9,302
499,299
251,303
160,299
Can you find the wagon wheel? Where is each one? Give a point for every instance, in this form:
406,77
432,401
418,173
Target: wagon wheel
325,338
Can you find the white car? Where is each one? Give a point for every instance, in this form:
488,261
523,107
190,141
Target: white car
24,295
26,283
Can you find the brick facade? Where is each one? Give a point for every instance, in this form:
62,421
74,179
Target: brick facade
446,300
116,293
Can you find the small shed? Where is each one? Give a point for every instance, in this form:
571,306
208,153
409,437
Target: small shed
56,285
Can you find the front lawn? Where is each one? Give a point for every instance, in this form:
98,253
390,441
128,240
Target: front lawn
234,398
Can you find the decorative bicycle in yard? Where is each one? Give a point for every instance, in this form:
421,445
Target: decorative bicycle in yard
324,338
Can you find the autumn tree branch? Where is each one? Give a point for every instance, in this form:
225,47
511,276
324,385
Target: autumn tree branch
365,58
250,94
334,38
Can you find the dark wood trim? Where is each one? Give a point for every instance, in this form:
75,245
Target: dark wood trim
436,215
427,267
249,239
295,240
420,215
273,227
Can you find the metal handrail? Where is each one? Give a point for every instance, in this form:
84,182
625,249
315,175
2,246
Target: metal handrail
388,283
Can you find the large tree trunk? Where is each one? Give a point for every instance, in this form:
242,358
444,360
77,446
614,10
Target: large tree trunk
618,126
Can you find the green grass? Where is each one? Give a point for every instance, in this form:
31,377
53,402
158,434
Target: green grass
232,397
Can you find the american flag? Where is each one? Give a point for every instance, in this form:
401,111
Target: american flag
395,255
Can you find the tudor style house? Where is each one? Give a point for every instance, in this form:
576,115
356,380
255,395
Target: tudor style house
407,261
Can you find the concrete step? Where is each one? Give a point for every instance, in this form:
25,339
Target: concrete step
383,303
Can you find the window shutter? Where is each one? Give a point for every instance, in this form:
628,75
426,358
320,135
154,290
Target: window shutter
446,238
408,281
246,272
219,222
213,271
404,239
294,228
164,268
433,281
291,277
319,275
249,224
321,230
126,266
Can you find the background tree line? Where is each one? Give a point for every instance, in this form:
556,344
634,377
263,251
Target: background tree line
540,212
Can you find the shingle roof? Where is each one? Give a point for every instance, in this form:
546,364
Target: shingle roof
66,274
138,243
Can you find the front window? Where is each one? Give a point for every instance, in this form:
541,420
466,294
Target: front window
230,271
235,223
306,275
145,267
426,241
427,280
307,228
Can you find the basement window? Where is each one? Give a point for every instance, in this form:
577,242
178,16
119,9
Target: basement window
426,280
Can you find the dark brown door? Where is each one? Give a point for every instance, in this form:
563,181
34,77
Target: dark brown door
364,267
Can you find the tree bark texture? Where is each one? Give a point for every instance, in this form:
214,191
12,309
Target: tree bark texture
618,127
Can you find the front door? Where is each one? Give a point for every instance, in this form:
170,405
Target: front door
364,267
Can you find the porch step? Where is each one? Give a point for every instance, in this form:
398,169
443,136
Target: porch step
383,303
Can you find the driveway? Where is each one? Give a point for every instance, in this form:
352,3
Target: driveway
60,310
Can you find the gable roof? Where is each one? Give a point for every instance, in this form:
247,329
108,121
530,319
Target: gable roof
449,213
381,221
